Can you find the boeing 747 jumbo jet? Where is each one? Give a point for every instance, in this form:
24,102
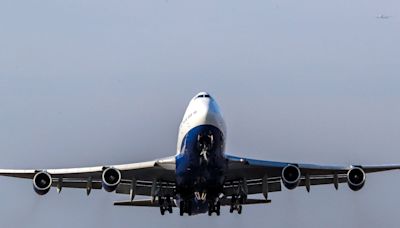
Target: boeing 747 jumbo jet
200,178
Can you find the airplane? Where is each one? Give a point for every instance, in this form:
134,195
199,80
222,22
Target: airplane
200,178
381,16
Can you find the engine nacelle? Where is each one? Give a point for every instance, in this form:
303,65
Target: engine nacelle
356,178
42,182
291,176
110,179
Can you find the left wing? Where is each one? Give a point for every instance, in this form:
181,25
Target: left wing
253,176
143,177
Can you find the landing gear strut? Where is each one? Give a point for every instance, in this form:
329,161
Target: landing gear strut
205,143
240,197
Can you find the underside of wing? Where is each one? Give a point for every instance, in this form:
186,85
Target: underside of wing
251,176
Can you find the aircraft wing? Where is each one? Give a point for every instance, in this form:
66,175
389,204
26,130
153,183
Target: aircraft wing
144,173
266,176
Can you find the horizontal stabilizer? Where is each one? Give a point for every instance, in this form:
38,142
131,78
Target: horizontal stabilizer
140,203
227,202
150,203
256,201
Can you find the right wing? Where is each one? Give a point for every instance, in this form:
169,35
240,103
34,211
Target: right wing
259,176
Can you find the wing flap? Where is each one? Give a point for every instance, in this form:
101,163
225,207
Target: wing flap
253,186
76,184
323,180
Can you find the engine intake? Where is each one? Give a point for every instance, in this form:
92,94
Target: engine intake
110,179
42,182
291,176
356,178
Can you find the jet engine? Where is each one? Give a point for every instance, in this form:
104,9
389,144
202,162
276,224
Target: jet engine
291,176
42,182
356,178
110,179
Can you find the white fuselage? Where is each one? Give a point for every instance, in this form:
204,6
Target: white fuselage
200,162
202,110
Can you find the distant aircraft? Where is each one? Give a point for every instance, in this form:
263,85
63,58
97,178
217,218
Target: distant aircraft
381,16
200,178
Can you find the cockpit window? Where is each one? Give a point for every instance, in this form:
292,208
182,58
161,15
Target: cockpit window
203,95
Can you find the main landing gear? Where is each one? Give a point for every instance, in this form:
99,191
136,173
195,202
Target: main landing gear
165,205
214,207
236,204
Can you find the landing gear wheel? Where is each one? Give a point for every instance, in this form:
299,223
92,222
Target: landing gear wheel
214,208
189,208
210,208
184,207
165,204
181,208
236,204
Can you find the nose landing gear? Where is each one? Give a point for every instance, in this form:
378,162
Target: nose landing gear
205,142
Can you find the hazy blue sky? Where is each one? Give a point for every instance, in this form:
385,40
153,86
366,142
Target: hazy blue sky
90,82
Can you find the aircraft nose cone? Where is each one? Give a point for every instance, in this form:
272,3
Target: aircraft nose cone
208,107
209,113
